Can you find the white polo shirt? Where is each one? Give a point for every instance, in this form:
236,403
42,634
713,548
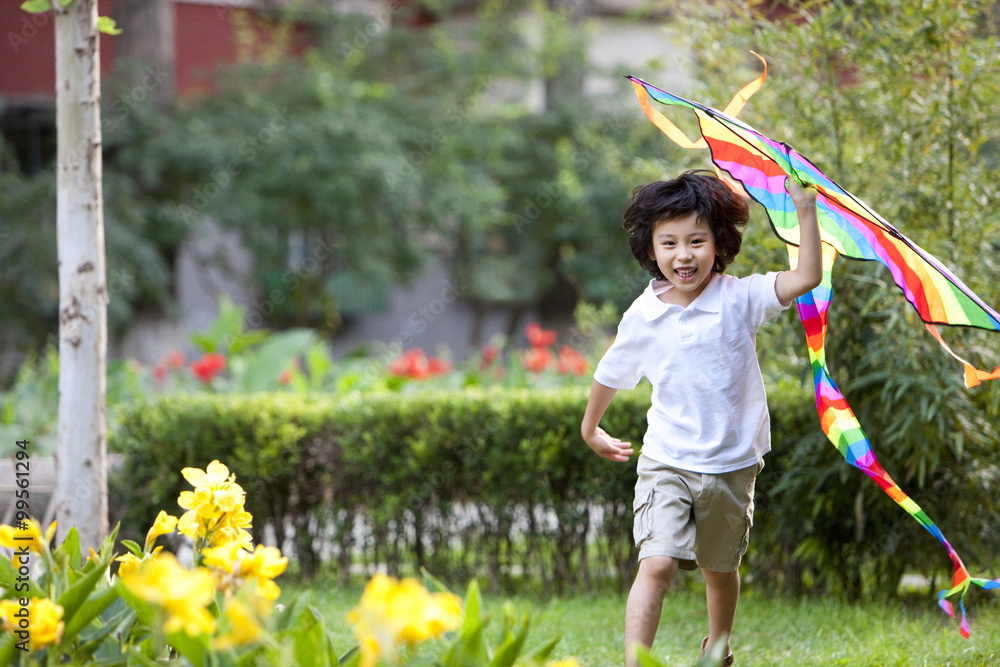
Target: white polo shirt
709,409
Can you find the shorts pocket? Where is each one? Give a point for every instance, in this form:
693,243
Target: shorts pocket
642,522
747,524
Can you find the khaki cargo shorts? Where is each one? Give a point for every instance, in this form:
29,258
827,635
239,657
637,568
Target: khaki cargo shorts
700,519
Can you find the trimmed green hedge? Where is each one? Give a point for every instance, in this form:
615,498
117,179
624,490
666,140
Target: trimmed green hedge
467,483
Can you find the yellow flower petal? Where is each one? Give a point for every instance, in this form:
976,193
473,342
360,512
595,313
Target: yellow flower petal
162,581
245,628
163,524
46,625
30,536
223,557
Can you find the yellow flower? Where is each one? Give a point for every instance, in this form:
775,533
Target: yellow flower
30,536
565,662
7,610
217,501
263,564
214,475
162,581
245,628
44,622
222,558
129,564
392,612
164,524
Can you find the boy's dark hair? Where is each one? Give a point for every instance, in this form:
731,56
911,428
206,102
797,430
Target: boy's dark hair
697,190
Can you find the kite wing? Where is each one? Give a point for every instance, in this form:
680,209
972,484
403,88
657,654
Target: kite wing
851,228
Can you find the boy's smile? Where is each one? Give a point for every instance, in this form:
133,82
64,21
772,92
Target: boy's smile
684,251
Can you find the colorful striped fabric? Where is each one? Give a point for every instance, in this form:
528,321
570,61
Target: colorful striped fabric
847,227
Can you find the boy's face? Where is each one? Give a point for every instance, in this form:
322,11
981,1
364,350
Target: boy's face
684,250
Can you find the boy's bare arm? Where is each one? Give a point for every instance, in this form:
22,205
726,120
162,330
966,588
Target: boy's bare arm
808,273
604,445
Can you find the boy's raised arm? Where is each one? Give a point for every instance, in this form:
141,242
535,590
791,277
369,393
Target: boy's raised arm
808,273
604,445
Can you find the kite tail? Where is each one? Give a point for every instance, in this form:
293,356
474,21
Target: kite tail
843,429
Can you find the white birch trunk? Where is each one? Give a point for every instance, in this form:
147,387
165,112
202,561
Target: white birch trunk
81,457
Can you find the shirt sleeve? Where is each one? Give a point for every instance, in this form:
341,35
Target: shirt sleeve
621,365
762,300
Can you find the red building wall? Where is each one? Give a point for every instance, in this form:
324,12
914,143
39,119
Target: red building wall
205,36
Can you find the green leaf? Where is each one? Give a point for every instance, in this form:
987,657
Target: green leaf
36,6
309,639
352,658
432,583
74,597
71,547
472,620
7,650
507,653
468,649
9,582
274,356
133,547
192,648
318,364
545,651
225,331
140,658
647,660
108,26
144,611
89,610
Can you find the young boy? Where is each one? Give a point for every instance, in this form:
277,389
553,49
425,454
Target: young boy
692,334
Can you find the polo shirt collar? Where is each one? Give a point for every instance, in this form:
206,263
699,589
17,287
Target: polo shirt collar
708,301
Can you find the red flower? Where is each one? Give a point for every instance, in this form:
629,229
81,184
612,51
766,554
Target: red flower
175,359
160,372
537,359
208,366
571,361
437,366
285,377
415,364
539,337
490,354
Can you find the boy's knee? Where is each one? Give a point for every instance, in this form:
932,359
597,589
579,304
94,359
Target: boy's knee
662,568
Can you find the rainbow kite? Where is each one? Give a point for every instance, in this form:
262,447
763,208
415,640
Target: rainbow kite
848,227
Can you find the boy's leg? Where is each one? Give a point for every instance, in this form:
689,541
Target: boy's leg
722,593
645,602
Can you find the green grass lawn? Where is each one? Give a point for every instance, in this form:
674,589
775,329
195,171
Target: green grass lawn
769,632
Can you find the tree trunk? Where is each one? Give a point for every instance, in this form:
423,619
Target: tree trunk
81,457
